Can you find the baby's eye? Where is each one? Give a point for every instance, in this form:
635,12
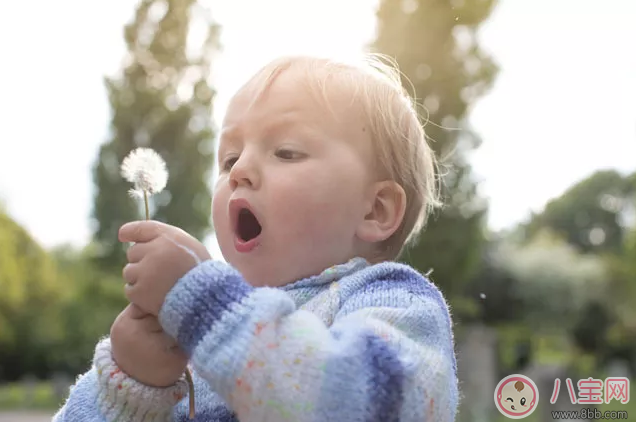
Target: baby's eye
523,401
287,154
510,399
228,163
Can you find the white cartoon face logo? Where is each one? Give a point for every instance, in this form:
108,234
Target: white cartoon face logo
516,396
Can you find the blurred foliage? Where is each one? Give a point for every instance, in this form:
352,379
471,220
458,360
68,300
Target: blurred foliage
621,297
42,397
31,294
94,300
553,281
590,214
596,217
53,309
162,100
435,44
554,275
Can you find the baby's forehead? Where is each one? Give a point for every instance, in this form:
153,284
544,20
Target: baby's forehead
298,91
298,80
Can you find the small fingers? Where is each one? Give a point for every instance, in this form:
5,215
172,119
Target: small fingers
140,231
136,252
131,273
136,294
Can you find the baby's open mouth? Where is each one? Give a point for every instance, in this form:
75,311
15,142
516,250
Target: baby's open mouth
248,226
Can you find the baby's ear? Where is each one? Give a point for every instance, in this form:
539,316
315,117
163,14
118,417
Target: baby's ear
388,205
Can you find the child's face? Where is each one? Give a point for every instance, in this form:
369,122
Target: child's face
304,173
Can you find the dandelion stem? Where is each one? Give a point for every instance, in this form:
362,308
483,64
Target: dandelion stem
146,204
191,391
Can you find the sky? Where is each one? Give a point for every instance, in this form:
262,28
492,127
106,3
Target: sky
563,105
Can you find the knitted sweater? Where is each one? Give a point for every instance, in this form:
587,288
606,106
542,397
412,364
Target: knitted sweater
358,342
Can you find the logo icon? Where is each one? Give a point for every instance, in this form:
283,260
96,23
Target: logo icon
516,396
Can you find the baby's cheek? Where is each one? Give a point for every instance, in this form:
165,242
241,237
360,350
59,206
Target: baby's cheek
310,211
219,205
301,206
305,220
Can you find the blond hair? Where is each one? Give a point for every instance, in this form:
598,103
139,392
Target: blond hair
400,143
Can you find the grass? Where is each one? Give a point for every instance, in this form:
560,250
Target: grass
14,396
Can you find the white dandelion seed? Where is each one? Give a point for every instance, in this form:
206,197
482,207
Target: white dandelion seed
145,168
147,171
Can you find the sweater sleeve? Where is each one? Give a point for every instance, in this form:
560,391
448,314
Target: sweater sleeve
106,394
387,356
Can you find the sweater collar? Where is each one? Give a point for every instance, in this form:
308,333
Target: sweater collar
330,275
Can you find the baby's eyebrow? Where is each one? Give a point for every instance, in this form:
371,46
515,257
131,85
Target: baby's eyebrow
238,131
280,125
229,134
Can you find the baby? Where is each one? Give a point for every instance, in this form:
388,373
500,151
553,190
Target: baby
325,175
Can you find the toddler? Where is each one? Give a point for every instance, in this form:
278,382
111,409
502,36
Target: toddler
325,175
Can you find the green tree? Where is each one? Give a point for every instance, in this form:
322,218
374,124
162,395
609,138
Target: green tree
162,100
592,216
92,302
31,293
434,43
622,293
497,290
554,281
589,214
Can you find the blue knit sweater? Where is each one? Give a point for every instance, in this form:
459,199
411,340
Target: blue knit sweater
357,342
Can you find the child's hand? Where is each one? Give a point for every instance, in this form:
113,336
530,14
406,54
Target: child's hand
143,351
161,255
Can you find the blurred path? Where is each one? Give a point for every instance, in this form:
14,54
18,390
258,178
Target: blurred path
25,416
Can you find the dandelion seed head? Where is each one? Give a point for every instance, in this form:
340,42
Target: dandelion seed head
145,168
135,193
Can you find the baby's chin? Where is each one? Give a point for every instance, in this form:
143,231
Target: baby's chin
261,269
257,276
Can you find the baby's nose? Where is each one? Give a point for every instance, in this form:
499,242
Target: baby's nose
244,173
